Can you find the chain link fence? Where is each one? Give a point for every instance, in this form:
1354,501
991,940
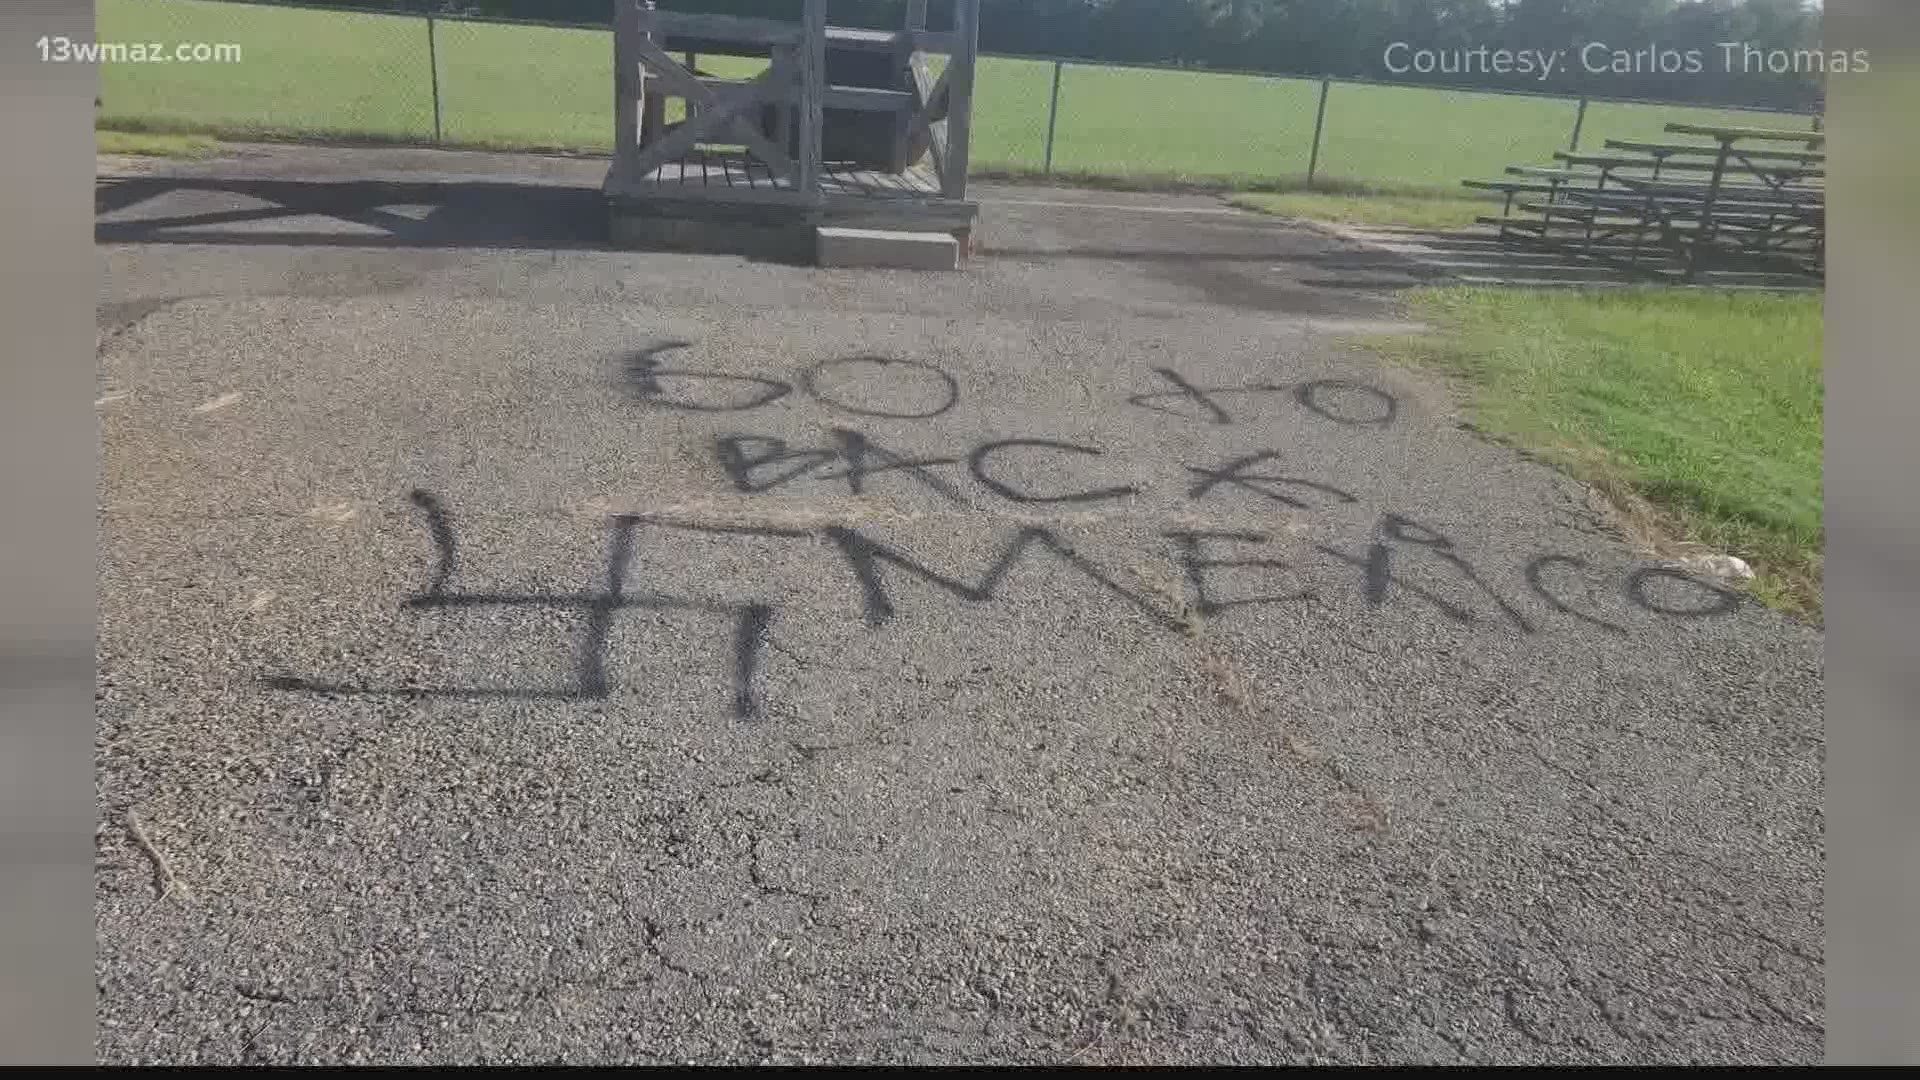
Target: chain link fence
315,72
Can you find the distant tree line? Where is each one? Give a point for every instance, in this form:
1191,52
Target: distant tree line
1351,37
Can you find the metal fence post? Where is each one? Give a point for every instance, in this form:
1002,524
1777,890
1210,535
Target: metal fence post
1053,115
1579,121
433,67
1319,123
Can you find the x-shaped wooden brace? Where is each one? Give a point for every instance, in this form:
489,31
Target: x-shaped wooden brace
929,122
720,112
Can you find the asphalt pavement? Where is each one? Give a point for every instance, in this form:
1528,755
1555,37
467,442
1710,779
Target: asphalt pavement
517,651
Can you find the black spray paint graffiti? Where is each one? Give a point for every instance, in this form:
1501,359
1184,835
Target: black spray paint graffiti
932,385
875,386
977,462
864,555
1197,565
743,456
857,456
1378,575
869,561
1536,579
1234,472
902,389
1340,400
756,464
752,622
886,387
644,375
1718,601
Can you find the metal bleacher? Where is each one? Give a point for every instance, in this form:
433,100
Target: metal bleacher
1675,211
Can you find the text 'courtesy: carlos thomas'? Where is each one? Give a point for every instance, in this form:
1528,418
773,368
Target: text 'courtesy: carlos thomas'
1600,58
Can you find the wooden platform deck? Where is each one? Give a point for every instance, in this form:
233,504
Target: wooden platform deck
726,178
717,201
706,174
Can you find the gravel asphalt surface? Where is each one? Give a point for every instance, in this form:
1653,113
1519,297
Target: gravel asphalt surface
517,651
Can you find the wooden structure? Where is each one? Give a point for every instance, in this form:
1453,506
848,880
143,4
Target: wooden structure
845,126
1678,210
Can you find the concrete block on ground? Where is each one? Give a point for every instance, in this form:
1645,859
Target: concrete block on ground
889,249
650,232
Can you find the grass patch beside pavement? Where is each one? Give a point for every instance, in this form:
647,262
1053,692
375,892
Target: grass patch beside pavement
154,144
1706,404
1408,211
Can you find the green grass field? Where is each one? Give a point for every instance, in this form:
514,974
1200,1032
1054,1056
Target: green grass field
341,75
1707,404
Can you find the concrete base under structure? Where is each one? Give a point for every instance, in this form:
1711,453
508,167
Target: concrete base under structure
721,204
781,234
887,248
708,234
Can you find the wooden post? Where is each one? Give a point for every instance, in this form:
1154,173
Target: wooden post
693,65
782,133
653,104
903,126
626,81
1579,121
966,35
813,95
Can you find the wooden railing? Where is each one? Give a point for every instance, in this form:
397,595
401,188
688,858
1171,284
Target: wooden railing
935,114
